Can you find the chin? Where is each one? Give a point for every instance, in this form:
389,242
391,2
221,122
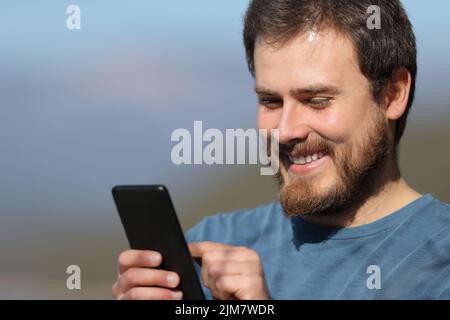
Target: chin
315,195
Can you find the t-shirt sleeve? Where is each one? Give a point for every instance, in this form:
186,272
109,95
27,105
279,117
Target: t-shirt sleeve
194,234
440,265
216,228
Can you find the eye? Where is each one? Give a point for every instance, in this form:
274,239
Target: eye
318,104
270,103
319,101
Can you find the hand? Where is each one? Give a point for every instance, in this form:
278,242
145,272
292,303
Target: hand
231,272
139,279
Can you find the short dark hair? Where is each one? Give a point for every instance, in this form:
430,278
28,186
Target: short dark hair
380,51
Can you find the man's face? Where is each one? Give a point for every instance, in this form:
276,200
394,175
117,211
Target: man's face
334,138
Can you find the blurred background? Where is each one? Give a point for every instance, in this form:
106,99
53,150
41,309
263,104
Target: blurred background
83,110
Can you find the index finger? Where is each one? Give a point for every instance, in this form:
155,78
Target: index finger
198,249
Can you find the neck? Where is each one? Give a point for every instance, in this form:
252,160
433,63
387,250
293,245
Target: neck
391,193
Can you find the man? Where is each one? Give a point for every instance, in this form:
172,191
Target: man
347,225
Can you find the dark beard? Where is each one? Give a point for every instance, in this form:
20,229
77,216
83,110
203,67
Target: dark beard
358,177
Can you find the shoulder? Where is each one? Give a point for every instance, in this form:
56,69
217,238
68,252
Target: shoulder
443,206
241,227
436,212
426,222
435,251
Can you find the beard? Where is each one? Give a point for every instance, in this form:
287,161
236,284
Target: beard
357,165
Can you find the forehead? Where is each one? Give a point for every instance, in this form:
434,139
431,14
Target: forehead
310,57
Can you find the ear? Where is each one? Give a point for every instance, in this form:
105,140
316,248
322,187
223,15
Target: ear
397,94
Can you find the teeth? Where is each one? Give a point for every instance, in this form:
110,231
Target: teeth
307,159
299,160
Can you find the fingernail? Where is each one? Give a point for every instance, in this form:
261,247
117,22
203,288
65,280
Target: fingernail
172,280
176,295
154,259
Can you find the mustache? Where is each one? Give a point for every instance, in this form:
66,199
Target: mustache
305,147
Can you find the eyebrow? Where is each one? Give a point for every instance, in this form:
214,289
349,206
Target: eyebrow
266,92
310,90
315,89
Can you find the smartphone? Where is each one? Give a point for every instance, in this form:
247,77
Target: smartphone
150,222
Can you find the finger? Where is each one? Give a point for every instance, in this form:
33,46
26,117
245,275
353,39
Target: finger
248,287
137,277
197,249
115,290
237,287
212,271
222,268
227,287
233,254
138,258
145,293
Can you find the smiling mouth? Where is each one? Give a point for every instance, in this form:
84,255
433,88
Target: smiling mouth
304,162
306,158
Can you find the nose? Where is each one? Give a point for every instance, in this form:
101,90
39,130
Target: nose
292,124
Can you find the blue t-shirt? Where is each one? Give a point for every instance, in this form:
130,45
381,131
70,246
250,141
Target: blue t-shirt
405,255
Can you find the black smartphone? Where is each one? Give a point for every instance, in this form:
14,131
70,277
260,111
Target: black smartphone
150,222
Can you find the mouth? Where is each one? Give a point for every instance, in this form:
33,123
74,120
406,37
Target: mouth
305,162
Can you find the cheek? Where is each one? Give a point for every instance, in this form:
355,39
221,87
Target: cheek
267,119
341,125
333,126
